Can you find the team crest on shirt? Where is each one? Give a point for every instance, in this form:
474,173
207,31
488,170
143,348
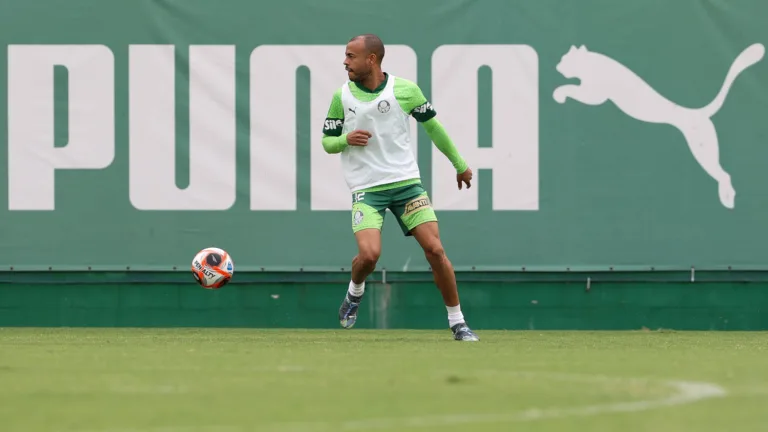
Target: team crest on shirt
383,107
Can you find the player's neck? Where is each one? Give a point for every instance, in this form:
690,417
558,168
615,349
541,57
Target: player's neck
374,80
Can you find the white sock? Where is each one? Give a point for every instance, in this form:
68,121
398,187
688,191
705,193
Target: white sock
454,315
355,289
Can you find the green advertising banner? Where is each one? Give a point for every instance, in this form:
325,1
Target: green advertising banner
602,134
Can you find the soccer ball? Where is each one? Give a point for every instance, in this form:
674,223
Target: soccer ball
212,268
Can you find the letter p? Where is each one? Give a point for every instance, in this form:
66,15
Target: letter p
32,155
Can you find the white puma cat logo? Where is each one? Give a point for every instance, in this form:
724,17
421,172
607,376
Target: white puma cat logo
603,78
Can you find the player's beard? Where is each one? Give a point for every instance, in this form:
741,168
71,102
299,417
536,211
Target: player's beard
358,76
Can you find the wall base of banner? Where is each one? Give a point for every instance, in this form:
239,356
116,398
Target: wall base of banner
515,301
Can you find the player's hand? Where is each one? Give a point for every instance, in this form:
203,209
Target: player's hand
358,138
465,177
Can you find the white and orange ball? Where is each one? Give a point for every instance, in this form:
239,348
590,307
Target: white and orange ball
213,268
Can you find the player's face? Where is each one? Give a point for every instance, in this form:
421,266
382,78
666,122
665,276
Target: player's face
357,62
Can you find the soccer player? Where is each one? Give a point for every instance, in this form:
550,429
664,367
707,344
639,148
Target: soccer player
368,125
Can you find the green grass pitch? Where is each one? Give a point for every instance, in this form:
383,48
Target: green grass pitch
224,380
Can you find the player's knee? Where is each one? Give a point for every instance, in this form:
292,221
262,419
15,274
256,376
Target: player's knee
369,257
434,252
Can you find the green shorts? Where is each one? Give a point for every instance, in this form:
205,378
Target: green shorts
410,205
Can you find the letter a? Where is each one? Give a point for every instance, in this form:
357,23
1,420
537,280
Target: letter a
514,157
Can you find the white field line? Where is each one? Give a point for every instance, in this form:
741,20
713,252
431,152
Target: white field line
684,392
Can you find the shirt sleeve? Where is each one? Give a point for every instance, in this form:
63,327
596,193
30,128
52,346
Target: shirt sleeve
333,144
412,100
334,120
439,136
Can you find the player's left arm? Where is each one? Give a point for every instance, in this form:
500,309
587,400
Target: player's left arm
413,101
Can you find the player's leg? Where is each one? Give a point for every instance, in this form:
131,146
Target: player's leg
368,252
363,264
367,220
428,235
417,218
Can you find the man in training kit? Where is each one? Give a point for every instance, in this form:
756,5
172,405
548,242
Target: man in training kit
368,124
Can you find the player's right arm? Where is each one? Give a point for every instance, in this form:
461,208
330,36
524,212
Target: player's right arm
333,140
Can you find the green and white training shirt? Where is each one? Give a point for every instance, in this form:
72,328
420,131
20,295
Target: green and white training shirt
387,161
